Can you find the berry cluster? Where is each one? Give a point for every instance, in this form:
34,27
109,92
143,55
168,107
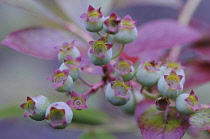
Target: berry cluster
119,91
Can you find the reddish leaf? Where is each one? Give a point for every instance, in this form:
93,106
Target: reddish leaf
154,38
160,125
39,42
197,73
200,119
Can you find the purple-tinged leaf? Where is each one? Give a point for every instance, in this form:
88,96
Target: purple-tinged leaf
155,37
160,125
197,73
39,42
201,119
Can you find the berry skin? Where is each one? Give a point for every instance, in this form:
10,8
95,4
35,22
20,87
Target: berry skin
100,52
58,115
148,73
62,81
68,49
125,69
118,92
170,85
73,65
93,19
35,107
127,31
187,104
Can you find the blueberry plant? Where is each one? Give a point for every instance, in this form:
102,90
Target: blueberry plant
165,112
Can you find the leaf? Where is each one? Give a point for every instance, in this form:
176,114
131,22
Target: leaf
97,135
197,73
201,119
89,116
155,37
168,3
34,7
37,41
160,125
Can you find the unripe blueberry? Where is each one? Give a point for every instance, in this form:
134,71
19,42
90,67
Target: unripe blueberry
162,103
170,85
130,106
93,19
148,73
62,81
77,101
35,107
111,24
100,52
186,104
118,92
73,65
68,49
58,115
169,66
127,31
125,69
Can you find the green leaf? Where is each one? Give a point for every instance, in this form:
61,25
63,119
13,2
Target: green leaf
10,112
89,116
97,135
201,119
160,125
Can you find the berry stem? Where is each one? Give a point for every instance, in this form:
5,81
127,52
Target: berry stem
123,45
184,19
86,83
107,38
95,87
99,34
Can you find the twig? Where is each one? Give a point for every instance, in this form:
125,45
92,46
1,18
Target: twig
95,87
86,83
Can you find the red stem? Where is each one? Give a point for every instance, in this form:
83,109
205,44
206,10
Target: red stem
95,87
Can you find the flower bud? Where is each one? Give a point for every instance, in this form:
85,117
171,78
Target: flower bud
148,73
35,107
170,85
186,104
68,49
73,65
169,66
118,92
162,103
125,69
93,19
58,115
77,101
62,81
111,24
100,52
127,31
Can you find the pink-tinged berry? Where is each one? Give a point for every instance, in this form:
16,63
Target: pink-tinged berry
127,31
73,64
93,19
125,69
148,73
170,85
118,92
67,49
35,107
58,115
62,81
77,101
176,66
111,24
162,103
187,104
100,52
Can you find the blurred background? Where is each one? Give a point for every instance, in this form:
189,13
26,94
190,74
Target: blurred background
22,75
